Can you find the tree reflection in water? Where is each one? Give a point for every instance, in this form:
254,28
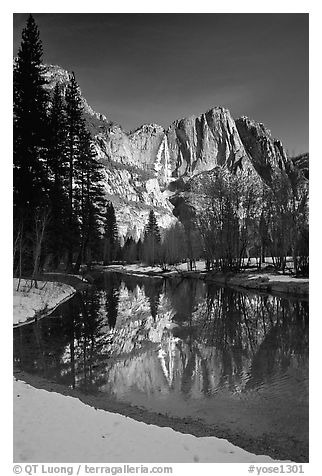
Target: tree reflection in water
172,343
240,338
222,337
111,286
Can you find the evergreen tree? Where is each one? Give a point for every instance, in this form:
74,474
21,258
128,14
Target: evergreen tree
90,196
30,131
74,123
57,172
57,150
84,183
139,250
129,250
152,228
110,235
54,166
152,241
30,121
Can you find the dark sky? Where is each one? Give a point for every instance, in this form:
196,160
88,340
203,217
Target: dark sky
155,68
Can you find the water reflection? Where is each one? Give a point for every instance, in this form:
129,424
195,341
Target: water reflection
180,347
111,286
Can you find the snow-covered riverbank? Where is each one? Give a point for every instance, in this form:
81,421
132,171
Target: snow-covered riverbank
30,303
263,281
49,427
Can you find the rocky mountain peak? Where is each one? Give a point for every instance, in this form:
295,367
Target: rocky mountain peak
56,74
143,165
147,129
199,143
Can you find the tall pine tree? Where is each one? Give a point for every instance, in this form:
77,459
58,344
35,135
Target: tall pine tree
84,184
30,126
90,198
110,235
152,241
152,228
74,123
54,164
57,172
30,134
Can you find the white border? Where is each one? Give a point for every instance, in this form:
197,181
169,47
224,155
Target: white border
233,6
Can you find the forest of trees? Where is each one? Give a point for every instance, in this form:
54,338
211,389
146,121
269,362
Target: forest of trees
59,202
240,217
236,218
62,216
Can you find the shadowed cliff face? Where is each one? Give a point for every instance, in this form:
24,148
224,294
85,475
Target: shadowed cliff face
144,167
266,153
301,162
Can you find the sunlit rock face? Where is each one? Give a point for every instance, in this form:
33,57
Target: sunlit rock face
145,168
141,166
189,146
200,143
133,194
112,144
146,142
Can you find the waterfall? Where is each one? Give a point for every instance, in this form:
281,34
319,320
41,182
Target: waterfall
163,160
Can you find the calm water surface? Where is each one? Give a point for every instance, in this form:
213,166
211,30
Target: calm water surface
232,361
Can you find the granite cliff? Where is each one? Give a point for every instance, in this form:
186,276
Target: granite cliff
147,168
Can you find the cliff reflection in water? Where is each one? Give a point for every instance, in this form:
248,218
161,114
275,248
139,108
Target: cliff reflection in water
180,347
176,336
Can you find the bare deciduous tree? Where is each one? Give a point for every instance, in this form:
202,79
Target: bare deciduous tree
41,220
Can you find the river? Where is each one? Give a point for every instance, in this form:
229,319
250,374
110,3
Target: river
219,361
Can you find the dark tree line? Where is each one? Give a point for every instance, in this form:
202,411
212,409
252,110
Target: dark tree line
239,217
58,197
232,218
111,240
178,244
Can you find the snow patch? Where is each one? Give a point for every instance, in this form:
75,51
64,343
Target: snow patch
29,302
49,427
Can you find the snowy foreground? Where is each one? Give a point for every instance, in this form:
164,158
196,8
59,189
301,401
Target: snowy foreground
49,427
29,302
